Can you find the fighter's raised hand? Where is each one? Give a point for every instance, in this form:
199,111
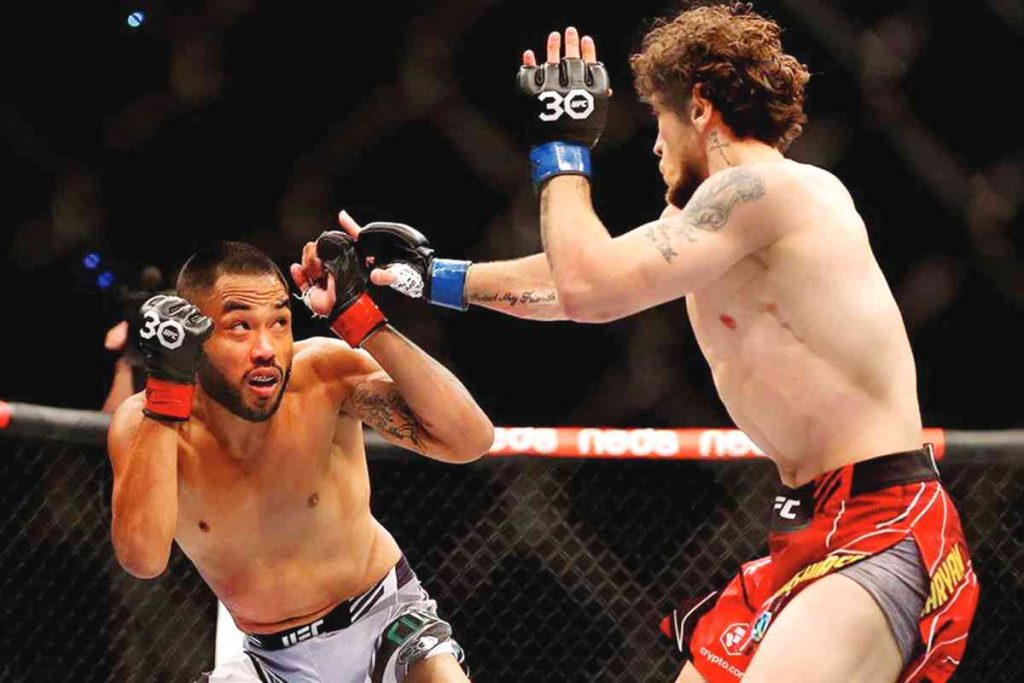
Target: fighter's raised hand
565,103
574,47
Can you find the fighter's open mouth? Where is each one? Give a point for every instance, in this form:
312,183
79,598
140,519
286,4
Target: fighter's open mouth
263,380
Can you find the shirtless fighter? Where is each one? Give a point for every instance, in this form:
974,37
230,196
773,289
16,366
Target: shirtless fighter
869,577
247,449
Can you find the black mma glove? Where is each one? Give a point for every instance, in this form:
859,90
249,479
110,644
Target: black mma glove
565,105
171,337
354,316
406,253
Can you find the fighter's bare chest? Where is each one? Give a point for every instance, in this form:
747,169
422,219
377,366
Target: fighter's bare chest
726,312
280,485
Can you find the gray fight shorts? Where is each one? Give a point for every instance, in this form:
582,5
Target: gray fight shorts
371,638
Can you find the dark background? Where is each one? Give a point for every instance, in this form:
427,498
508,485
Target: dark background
258,120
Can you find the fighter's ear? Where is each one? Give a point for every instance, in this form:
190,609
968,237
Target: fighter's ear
699,108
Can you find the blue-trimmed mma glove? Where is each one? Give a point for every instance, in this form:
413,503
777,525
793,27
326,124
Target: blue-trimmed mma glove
566,105
404,252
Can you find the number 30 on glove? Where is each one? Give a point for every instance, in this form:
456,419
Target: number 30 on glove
566,105
171,340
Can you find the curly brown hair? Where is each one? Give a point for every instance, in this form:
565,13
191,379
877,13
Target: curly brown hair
735,56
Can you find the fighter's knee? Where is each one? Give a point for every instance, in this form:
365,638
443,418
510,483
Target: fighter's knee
418,646
440,668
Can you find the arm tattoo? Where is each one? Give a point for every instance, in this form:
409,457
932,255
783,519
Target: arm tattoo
709,208
381,406
538,298
658,233
530,298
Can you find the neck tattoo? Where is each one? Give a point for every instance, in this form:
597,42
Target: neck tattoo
715,144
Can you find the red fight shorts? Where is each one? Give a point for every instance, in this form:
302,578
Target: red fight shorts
833,522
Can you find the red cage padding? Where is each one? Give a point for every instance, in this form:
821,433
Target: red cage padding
652,444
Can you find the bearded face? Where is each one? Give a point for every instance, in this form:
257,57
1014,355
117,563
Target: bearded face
682,166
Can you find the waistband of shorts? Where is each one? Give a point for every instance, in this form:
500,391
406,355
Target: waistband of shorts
793,507
874,474
344,614
896,469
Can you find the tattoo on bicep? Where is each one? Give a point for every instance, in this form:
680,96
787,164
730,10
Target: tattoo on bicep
384,409
707,210
711,205
511,299
658,233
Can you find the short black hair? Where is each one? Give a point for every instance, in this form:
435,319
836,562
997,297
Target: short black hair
201,270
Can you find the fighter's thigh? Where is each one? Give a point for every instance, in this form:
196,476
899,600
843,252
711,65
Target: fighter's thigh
437,669
832,631
689,674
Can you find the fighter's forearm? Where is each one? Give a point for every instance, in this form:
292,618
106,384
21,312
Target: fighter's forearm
145,499
439,416
574,239
522,287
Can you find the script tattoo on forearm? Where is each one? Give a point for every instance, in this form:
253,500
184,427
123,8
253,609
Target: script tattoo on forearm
708,210
383,408
511,299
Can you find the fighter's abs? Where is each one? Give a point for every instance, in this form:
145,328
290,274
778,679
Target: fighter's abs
778,385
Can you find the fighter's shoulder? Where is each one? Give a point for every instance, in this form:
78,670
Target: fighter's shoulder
806,182
330,359
799,195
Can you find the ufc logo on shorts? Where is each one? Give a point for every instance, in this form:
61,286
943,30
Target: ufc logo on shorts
170,332
304,633
578,104
785,506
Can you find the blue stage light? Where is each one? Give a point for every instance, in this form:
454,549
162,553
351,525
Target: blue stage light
105,279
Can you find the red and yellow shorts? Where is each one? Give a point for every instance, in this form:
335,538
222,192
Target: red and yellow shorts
839,519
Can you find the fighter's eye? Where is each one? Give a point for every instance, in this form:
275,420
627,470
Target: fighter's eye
240,325
283,322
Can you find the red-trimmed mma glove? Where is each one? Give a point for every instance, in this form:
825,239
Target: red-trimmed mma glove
354,316
171,338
